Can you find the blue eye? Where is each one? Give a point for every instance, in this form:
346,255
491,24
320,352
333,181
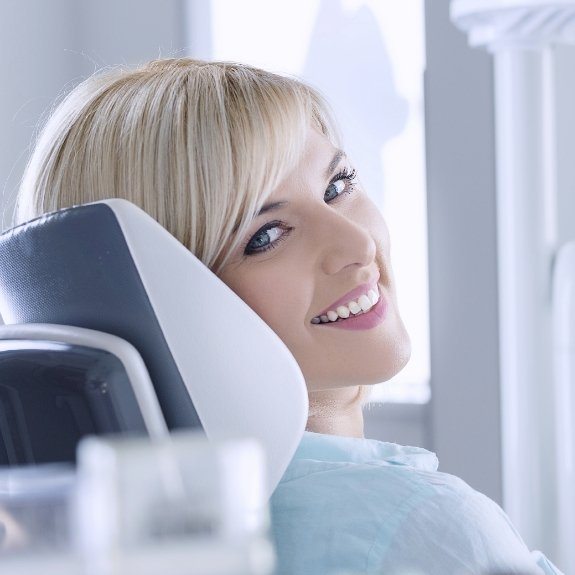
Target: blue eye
267,237
343,182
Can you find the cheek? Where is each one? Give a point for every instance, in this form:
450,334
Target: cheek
376,220
367,214
277,297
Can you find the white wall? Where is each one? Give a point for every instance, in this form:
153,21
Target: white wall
49,46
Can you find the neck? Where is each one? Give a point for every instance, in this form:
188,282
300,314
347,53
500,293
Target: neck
337,411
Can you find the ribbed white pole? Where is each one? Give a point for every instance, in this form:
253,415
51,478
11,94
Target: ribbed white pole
564,342
526,243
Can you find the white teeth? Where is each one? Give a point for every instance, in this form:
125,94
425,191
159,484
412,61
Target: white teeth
354,308
343,311
364,302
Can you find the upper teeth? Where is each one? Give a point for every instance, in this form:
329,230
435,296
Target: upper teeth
362,304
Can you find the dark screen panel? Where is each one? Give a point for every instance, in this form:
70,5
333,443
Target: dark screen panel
53,394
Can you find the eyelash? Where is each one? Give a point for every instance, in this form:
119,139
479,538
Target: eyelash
349,177
344,174
273,244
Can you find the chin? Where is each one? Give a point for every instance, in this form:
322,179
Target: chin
396,351
364,371
355,358
396,360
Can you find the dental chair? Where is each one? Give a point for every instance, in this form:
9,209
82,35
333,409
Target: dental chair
113,326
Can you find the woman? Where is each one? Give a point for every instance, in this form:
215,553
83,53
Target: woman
245,169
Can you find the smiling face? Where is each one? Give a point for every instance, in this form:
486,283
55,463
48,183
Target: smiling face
317,251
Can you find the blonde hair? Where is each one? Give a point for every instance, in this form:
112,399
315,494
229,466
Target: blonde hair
198,145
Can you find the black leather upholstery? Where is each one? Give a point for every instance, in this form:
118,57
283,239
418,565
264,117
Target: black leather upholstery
73,267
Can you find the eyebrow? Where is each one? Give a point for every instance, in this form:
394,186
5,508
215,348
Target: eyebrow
330,168
271,207
334,162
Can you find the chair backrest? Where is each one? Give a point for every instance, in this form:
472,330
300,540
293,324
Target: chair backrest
214,363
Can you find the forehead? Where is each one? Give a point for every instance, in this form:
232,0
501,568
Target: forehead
319,160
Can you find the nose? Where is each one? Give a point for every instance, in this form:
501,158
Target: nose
346,243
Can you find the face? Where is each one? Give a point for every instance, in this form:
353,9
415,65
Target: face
319,250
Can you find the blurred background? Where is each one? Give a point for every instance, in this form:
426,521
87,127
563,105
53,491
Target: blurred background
417,113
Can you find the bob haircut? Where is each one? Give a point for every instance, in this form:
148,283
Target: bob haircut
197,145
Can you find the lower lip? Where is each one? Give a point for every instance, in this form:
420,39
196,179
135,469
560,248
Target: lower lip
367,320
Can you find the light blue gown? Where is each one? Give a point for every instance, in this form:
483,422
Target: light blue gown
349,505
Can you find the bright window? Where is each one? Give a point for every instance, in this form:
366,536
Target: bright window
367,57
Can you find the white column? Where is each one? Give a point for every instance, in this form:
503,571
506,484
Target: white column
564,354
526,239
520,33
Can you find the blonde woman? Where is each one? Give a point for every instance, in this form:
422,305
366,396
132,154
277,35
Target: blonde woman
244,167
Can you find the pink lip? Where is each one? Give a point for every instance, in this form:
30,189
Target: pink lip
352,295
366,320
